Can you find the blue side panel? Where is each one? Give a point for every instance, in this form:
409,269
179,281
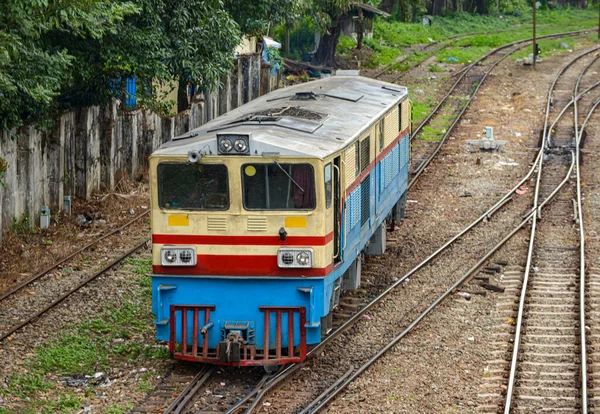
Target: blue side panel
387,182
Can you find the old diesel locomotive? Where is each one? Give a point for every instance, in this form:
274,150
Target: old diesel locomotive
260,217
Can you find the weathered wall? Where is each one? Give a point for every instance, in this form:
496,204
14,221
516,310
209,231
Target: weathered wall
90,149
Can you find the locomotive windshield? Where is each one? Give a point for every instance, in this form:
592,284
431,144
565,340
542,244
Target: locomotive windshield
276,186
193,186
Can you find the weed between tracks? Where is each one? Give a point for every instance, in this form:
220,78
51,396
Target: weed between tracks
93,345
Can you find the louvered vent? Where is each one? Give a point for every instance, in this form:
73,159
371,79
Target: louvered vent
350,163
405,115
365,153
257,223
391,126
217,223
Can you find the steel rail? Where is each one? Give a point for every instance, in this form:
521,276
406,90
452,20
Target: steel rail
469,67
438,148
75,289
293,367
521,45
537,214
38,275
397,78
324,401
584,378
272,382
200,378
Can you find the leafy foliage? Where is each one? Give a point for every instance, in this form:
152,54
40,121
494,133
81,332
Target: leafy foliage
31,74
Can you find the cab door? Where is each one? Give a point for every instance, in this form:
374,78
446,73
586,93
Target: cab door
337,210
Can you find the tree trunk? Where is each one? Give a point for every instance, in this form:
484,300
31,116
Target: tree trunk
325,54
438,7
387,5
182,97
359,34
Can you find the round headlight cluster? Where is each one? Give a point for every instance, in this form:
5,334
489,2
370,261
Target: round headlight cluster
226,145
170,256
303,258
240,145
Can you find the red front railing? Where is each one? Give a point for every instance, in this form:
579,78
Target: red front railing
199,349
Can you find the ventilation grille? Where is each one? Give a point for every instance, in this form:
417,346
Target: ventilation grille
217,223
365,153
391,126
350,163
365,193
257,224
294,111
405,115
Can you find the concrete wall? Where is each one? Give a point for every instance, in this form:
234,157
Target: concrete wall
91,149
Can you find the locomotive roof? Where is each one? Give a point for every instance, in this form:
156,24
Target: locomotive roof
314,119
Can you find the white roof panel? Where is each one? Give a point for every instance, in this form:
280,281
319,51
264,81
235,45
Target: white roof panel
327,116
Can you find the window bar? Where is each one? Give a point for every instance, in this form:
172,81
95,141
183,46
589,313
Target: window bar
267,192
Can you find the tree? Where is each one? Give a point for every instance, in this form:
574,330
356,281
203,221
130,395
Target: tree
328,17
255,16
201,36
31,75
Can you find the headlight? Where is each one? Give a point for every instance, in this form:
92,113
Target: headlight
303,258
240,145
289,257
178,256
170,256
226,145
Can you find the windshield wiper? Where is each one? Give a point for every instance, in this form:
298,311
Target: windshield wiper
289,176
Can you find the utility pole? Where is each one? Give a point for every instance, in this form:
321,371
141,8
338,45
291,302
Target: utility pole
534,39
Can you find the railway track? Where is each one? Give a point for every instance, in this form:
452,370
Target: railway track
27,301
547,370
253,398
456,101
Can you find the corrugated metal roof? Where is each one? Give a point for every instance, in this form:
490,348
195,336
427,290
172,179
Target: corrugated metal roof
325,116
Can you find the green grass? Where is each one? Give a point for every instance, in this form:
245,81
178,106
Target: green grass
548,47
435,68
390,37
26,384
90,346
431,134
119,409
420,110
